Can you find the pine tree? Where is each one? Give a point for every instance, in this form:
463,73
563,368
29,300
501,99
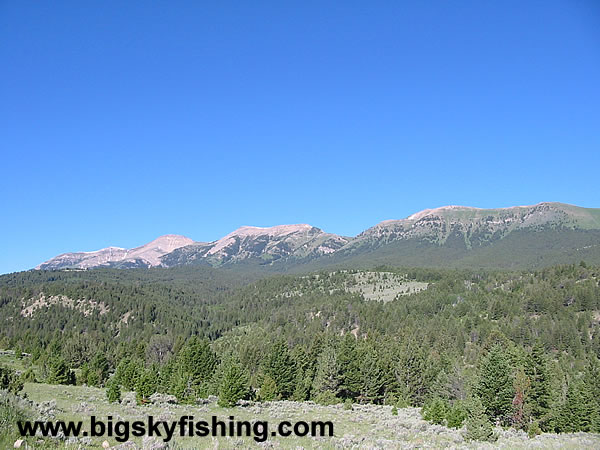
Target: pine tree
579,411
590,418
92,377
280,366
591,382
521,407
410,372
268,389
595,344
128,373
234,385
371,377
197,359
113,391
435,410
193,370
146,386
495,385
303,383
99,368
181,385
59,372
536,370
83,373
456,415
478,426
347,357
440,386
449,384
326,384
571,415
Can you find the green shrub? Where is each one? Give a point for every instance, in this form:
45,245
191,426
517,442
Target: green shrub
534,429
390,399
326,398
28,376
9,380
12,410
403,401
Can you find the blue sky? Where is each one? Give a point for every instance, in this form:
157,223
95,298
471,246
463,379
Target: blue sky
123,121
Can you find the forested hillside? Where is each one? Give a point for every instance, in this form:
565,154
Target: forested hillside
519,347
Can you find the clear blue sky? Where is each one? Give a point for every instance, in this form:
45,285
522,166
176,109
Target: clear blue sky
122,121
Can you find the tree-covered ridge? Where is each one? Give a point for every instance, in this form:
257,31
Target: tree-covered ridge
136,304
516,348
558,305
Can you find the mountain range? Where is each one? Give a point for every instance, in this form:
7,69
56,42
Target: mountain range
460,236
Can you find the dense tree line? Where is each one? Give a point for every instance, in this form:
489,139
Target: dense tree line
516,349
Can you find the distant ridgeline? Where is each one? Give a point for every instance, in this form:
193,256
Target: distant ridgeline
449,339
451,236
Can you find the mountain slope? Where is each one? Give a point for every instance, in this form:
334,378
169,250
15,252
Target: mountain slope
458,236
262,244
520,236
245,243
479,227
147,255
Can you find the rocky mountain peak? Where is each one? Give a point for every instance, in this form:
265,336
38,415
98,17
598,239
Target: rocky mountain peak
147,255
458,226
